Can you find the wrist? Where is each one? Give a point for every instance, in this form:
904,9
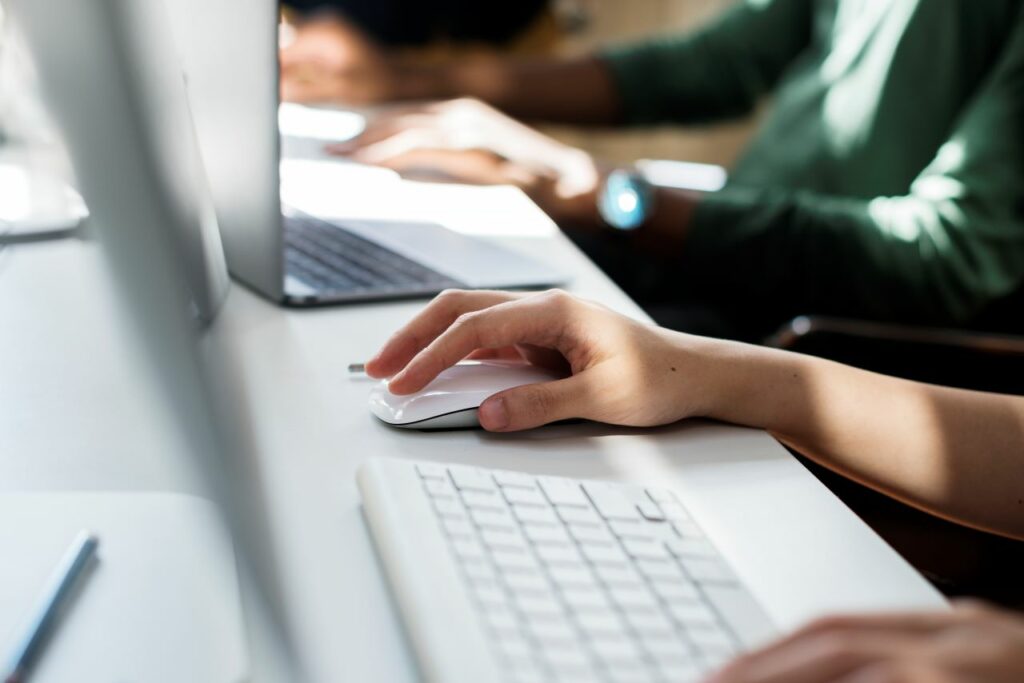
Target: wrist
745,384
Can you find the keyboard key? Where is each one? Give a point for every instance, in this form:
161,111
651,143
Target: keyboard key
631,598
527,582
515,480
650,511
628,672
525,496
618,575
468,548
483,500
547,535
572,575
558,632
585,600
560,555
536,607
661,571
458,527
536,515
480,572
451,509
489,518
661,496
644,549
586,534
516,648
490,595
564,492
605,554
503,620
568,659
498,538
669,650
429,470
605,622
630,528
618,650
439,488
512,560
532,674
650,624
468,479
610,501
680,672
579,516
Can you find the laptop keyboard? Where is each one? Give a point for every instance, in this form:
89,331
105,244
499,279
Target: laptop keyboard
590,581
335,261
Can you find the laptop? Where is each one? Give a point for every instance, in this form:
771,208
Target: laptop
229,53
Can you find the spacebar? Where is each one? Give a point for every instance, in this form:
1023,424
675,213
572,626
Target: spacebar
741,612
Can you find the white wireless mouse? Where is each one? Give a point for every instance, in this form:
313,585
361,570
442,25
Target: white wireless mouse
452,399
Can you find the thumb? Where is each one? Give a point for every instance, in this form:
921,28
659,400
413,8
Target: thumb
533,405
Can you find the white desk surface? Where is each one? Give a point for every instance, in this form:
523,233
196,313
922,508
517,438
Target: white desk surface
77,412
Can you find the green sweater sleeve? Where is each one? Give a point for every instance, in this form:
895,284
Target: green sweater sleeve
940,253
717,72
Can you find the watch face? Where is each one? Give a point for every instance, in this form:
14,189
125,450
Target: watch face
625,201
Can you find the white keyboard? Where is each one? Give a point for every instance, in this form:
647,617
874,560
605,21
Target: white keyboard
503,576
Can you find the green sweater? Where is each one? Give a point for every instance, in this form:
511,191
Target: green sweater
888,178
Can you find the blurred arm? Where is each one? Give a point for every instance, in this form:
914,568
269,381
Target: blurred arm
954,453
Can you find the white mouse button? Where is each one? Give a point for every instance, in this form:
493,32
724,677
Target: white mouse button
452,398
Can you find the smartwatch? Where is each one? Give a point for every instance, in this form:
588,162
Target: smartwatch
626,200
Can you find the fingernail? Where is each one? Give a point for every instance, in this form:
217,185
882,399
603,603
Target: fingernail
493,414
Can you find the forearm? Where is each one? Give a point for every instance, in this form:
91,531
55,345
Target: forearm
954,453
578,91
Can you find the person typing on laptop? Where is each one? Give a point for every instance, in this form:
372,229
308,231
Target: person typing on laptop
950,452
883,183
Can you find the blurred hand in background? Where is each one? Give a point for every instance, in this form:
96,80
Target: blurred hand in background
468,141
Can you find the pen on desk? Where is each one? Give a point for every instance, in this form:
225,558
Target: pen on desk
357,368
46,611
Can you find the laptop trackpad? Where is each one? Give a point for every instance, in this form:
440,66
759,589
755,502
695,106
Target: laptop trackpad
471,260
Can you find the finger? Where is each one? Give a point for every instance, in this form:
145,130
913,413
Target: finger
533,405
534,355
817,658
425,327
507,353
536,319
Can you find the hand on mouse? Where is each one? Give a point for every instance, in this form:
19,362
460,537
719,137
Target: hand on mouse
622,371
